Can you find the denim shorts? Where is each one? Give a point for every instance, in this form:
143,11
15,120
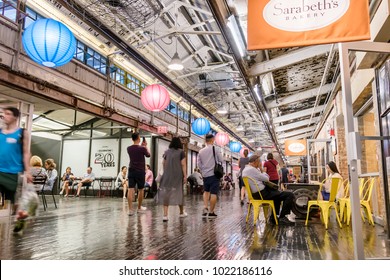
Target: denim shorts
211,184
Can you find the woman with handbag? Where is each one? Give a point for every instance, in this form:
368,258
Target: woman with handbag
170,191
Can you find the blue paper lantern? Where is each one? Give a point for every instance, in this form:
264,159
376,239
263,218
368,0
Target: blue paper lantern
49,43
201,126
235,147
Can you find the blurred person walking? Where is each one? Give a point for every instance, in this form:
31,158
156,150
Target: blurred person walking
175,174
14,154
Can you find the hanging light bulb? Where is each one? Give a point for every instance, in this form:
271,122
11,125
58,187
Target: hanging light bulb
222,110
176,63
240,127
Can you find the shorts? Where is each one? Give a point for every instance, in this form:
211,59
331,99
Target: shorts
86,184
8,185
136,178
211,184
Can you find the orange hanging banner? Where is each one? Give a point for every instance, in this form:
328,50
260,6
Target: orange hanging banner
295,147
292,23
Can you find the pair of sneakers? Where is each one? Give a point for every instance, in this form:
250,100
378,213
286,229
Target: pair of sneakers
207,214
140,210
182,215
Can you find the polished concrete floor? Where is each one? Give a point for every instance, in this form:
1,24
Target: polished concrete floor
99,228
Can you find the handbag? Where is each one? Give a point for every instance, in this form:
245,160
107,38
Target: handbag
218,169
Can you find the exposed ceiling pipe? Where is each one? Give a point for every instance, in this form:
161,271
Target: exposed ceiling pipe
323,81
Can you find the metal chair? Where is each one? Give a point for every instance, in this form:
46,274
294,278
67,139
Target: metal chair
257,203
105,185
326,205
366,200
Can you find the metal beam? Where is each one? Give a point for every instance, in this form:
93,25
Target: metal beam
295,124
299,114
299,136
296,97
352,151
296,132
287,59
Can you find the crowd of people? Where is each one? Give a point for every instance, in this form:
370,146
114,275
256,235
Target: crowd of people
139,176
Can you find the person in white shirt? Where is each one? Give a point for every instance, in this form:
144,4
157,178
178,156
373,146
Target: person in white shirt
253,170
206,163
121,181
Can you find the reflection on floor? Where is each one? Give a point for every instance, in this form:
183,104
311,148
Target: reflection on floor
99,228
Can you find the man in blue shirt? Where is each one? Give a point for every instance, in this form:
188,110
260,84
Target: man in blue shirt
14,153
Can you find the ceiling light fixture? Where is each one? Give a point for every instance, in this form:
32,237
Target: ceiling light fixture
222,110
240,127
176,63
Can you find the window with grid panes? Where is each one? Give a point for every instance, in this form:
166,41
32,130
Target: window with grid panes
186,115
80,52
172,107
120,76
8,10
31,17
180,112
134,84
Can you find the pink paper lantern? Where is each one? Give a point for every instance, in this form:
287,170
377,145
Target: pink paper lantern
242,151
222,138
155,98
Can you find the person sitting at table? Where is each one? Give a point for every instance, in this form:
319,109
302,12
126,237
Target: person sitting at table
86,181
148,178
67,178
121,181
333,171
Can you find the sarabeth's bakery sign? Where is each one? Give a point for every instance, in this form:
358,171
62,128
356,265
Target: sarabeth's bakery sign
290,23
302,15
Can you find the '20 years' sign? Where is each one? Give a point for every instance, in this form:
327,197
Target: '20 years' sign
105,157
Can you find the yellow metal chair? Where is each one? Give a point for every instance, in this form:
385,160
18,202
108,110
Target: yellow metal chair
326,205
257,203
366,200
345,212
343,200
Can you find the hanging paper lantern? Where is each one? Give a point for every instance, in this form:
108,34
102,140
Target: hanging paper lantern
235,147
242,151
221,138
49,43
155,98
201,126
